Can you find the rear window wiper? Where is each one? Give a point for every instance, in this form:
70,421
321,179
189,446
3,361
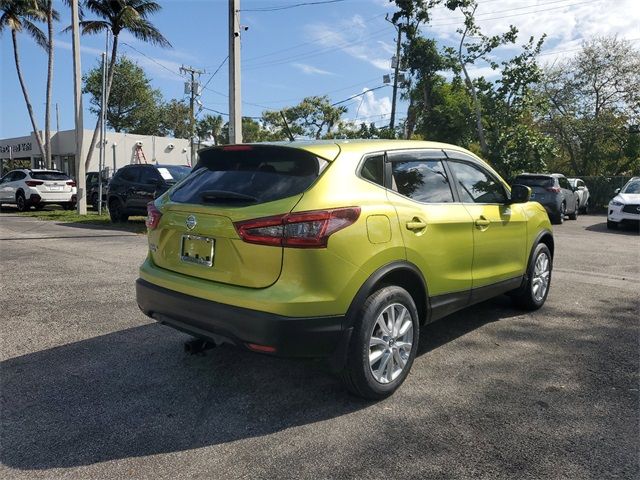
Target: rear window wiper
215,196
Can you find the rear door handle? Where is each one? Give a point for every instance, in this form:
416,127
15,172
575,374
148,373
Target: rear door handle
416,224
482,223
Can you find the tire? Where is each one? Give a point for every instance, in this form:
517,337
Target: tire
21,202
574,215
612,225
558,219
379,379
529,297
38,206
116,211
585,209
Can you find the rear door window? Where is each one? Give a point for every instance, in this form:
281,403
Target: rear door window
249,174
373,169
130,174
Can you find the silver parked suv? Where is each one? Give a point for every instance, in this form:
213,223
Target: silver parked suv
554,192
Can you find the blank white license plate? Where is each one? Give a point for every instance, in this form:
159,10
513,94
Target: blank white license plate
55,188
198,250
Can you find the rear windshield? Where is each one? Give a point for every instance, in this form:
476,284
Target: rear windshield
173,173
248,175
49,176
534,181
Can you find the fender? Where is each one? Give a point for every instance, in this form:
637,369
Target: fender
366,289
536,241
339,357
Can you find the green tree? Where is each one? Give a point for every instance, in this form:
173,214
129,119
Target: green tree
175,117
135,106
210,126
18,16
478,48
117,16
594,108
313,117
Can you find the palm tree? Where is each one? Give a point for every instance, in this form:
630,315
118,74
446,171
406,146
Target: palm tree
116,16
51,16
18,16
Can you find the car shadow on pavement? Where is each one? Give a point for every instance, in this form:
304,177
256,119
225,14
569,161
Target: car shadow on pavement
621,230
134,393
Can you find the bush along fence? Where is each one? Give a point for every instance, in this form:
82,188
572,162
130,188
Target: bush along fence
602,189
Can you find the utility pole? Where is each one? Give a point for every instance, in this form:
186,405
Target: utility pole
235,94
77,103
392,123
103,119
194,89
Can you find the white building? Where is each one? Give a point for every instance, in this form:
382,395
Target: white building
121,149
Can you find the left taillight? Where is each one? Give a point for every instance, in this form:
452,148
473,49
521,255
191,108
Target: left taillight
33,183
153,216
310,229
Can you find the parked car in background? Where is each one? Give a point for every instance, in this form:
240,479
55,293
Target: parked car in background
625,206
582,191
553,192
93,189
36,188
339,249
133,186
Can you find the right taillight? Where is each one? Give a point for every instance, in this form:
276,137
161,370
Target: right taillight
33,183
310,229
553,189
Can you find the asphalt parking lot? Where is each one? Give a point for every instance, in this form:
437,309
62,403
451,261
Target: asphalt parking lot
90,388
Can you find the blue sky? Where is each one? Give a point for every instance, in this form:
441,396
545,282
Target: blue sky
338,49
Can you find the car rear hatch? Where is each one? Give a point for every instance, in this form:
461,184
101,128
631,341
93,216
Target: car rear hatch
196,235
51,182
541,186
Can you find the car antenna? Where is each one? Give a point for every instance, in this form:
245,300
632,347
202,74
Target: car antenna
286,125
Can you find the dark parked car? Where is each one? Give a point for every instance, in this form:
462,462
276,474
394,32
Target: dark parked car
93,189
133,186
554,192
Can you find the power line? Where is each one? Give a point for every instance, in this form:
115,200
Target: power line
153,60
216,71
359,95
482,18
276,8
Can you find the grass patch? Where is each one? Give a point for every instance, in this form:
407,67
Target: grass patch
91,220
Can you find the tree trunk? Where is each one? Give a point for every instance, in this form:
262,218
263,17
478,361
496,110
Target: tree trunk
47,113
110,72
474,96
14,38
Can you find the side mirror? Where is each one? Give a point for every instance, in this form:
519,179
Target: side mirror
520,194
616,191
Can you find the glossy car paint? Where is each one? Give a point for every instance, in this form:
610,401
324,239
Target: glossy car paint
324,281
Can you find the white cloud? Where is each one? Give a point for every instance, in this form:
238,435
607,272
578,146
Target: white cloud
311,70
372,109
566,22
353,37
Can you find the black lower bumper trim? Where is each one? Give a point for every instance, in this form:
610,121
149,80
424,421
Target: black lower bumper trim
297,337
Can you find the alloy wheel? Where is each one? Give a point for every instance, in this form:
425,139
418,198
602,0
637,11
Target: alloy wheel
390,343
541,275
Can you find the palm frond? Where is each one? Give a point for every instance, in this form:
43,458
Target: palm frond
91,27
145,8
34,32
145,31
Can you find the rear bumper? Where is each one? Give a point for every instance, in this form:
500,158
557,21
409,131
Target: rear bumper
290,336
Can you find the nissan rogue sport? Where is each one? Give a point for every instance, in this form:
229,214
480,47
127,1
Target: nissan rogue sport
342,249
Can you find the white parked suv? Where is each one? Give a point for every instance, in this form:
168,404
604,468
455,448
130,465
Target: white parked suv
582,191
625,206
35,187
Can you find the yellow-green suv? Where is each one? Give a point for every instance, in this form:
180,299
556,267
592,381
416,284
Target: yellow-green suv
341,249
